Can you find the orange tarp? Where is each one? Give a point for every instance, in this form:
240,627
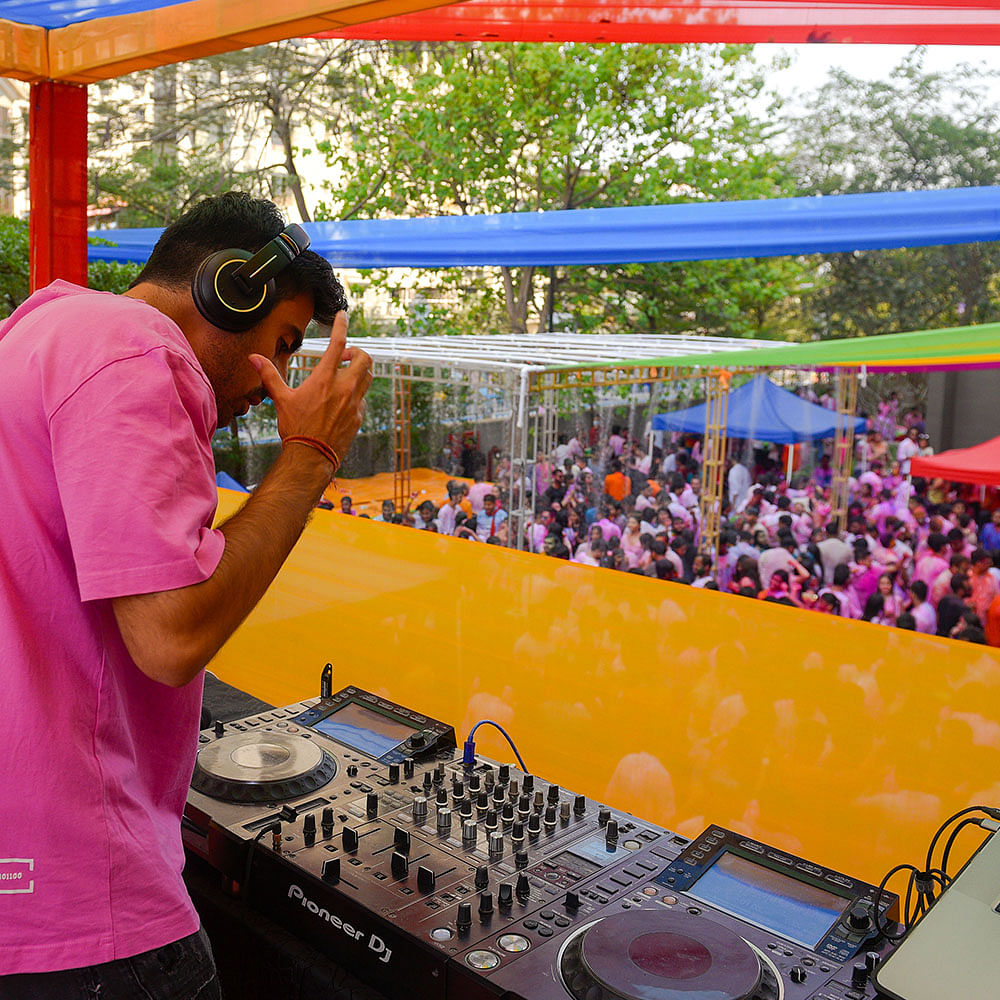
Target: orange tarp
367,494
841,741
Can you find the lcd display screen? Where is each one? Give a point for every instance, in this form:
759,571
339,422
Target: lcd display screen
796,910
361,728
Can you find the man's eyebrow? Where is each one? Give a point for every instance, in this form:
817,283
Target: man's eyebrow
297,338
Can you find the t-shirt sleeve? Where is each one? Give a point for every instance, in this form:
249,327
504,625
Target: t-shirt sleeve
132,454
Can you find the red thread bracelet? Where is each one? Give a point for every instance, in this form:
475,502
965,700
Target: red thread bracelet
321,446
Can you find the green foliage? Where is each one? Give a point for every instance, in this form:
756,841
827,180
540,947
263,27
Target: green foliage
197,129
475,129
914,130
14,263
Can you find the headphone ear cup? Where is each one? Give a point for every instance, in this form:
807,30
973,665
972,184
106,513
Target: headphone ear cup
224,303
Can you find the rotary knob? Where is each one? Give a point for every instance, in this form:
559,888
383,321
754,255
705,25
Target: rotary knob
499,795
553,793
428,782
439,774
475,783
482,879
458,788
442,797
491,822
550,818
504,774
408,766
393,774
419,809
482,802
799,975
326,822
464,919
444,822
465,808
860,918
564,813
496,844
470,832
507,815
489,778
513,790
517,832
534,825
521,859
309,829
580,805
529,783
505,895
539,802
603,816
485,904
611,831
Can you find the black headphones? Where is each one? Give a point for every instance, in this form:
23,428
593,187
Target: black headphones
234,289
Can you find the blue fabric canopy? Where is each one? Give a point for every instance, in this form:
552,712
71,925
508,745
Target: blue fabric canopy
761,411
688,231
49,14
227,482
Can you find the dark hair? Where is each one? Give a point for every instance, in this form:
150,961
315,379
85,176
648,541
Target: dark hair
936,541
831,601
873,607
235,219
841,574
919,590
907,621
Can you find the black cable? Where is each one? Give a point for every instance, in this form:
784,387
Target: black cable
245,885
950,842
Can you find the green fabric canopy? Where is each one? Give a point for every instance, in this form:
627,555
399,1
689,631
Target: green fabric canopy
925,350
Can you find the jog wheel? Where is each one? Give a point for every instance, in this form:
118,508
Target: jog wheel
653,955
261,767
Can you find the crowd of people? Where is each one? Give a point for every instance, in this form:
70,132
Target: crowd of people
914,554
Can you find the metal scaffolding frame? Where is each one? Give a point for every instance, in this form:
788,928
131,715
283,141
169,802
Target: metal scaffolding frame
527,368
846,384
713,472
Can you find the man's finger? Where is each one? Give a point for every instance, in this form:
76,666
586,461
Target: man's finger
334,352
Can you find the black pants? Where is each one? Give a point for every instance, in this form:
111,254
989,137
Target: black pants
184,970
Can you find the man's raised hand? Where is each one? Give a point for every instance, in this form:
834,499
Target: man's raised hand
329,404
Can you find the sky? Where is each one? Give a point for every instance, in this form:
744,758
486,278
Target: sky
811,63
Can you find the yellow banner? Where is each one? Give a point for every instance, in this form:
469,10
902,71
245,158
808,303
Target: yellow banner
842,741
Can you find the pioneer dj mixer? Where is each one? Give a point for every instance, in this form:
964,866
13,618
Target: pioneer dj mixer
354,822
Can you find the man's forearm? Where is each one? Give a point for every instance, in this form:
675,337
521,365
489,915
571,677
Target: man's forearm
173,634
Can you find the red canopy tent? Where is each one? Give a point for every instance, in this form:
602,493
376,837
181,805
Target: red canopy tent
979,464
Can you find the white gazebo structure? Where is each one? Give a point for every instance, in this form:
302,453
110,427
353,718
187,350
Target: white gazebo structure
531,370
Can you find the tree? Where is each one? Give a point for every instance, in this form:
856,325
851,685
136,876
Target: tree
915,130
476,129
162,140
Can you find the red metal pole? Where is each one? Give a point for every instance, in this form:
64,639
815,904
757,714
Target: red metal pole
58,183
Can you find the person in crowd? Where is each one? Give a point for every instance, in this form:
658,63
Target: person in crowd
388,512
924,615
954,603
347,506
984,584
490,519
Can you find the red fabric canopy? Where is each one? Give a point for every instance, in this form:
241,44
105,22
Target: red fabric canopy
978,464
909,22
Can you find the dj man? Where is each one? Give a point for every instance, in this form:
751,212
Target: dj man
115,590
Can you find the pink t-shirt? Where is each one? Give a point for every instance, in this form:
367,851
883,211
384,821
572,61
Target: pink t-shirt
108,490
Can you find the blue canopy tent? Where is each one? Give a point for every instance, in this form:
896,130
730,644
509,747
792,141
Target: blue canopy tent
687,231
762,411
